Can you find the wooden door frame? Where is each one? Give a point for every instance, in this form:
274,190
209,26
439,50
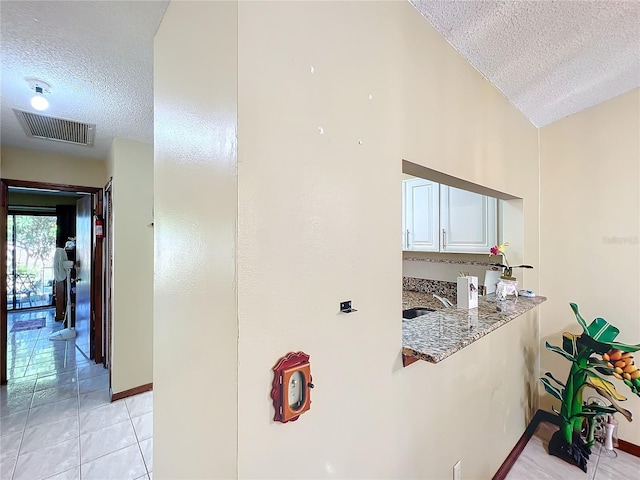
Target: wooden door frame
107,275
96,289
98,277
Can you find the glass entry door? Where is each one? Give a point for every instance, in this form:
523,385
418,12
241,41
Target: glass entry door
31,244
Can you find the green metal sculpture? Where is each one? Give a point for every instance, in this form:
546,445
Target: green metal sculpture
593,354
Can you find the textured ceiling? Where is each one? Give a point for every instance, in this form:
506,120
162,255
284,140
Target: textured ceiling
98,58
551,59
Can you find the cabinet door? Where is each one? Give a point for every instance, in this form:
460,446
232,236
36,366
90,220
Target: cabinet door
468,221
420,201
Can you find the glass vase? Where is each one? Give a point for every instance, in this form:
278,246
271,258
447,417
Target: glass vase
506,288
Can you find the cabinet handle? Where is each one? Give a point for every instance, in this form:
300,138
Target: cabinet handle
444,238
407,234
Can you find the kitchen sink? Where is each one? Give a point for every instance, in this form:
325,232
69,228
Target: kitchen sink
416,312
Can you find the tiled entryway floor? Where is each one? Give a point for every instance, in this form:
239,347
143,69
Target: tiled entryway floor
535,463
56,420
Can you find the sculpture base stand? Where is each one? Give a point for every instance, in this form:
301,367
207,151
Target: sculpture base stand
576,453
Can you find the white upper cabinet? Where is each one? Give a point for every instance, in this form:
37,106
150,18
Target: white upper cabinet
420,219
439,218
468,221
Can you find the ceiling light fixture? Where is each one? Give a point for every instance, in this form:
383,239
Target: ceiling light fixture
40,87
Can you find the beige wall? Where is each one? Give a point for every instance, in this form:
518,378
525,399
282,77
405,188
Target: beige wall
590,215
195,324
130,164
28,199
36,166
318,218
319,222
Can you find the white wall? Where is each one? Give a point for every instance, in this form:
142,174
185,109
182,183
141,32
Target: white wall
590,225
319,217
130,164
37,166
318,221
195,326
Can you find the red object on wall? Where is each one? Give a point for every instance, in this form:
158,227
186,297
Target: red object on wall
98,226
291,387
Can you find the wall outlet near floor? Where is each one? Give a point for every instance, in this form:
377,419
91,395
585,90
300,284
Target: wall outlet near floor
456,471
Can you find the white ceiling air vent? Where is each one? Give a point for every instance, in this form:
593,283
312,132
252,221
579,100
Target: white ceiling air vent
59,129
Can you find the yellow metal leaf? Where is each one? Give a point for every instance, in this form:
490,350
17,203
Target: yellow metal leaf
605,385
605,393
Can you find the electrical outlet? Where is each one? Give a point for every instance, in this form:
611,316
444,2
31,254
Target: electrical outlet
456,471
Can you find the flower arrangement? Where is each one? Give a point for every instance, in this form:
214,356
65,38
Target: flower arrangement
507,272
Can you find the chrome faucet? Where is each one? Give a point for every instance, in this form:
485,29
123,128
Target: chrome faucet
444,301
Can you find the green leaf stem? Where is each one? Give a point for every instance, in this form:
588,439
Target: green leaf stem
587,370
595,361
569,343
602,409
551,389
579,318
605,370
626,413
624,347
553,409
548,374
560,351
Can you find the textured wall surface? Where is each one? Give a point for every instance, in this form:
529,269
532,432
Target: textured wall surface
319,179
550,59
130,163
195,309
590,230
98,59
38,166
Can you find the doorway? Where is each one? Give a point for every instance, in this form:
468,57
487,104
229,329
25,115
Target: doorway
31,242
30,231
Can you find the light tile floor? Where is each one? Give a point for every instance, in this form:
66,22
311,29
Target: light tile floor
535,463
56,420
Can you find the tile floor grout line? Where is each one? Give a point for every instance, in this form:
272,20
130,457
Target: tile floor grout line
15,466
66,354
35,344
45,423
144,461
59,381
54,442
110,453
56,474
105,426
77,382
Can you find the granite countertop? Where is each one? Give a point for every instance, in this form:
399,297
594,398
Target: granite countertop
438,335
412,299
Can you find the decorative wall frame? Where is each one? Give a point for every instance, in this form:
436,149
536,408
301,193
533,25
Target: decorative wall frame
292,384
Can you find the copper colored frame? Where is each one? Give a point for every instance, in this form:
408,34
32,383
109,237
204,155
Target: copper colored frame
282,371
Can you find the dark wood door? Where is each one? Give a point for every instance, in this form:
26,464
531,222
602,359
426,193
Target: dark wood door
84,246
97,342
